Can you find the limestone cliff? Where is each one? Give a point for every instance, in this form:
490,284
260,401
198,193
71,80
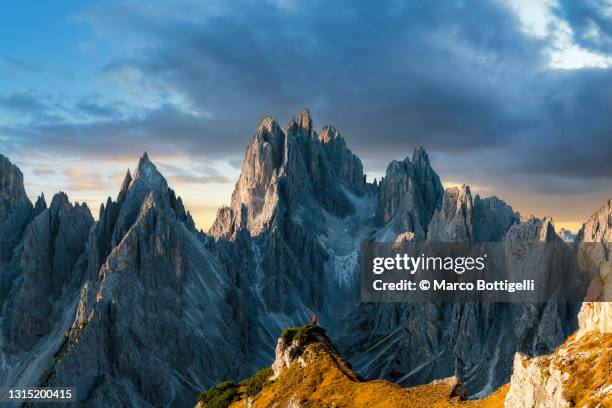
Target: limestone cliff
578,373
15,208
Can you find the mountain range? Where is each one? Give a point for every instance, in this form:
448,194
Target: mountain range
139,308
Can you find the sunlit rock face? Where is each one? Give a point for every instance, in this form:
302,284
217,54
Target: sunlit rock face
290,170
453,221
560,379
596,237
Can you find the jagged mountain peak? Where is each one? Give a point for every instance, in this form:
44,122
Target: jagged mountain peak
305,121
127,180
453,222
408,196
420,155
117,217
268,125
12,189
492,218
15,207
533,229
329,134
59,200
598,228
41,204
301,127
291,169
147,172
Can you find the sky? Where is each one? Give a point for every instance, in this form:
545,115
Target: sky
510,97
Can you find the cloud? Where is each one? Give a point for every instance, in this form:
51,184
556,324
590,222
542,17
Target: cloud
25,102
96,109
18,65
43,171
467,81
590,21
166,131
193,174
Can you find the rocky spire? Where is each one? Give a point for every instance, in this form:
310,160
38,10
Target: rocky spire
597,316
344,163
147,173
12,191
40,205
533,229
52,243
288,169
492,219
255,194
598,228
408,195
567,235
127,180
329,133
15,207
453,221
305,121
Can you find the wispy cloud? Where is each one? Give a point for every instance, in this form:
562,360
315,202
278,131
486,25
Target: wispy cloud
18,66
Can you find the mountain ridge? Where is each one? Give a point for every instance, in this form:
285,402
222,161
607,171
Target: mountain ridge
142,278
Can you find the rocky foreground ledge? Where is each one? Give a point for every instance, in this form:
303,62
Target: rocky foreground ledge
308,371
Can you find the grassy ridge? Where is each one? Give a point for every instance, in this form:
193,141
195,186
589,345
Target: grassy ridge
222,395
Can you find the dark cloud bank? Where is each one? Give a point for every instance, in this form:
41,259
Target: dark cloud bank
460,78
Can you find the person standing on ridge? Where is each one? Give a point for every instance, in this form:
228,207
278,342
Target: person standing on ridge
313,320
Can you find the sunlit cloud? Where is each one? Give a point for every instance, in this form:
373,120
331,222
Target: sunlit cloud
538,18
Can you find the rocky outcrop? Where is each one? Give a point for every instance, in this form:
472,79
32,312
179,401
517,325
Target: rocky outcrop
557,380
52,244
595,242
15,208
313,373
346,166
408,195
530,387
40,286
461,219
291,350
492,218
453,221
577,374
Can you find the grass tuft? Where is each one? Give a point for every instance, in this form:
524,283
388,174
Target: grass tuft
254,385
221,395
303,335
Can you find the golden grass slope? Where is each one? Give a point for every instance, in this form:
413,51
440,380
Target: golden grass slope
326,380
